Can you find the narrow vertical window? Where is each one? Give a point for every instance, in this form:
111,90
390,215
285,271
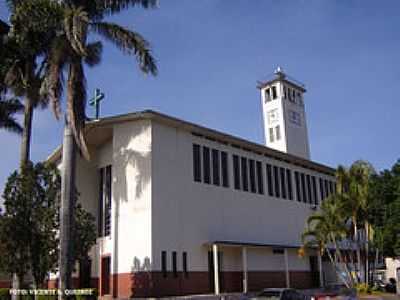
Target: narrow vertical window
289,184
225,171
284,92
174,264
303,187
298,190
196,163
252,171
108,194
267,95
101,203
278,132
236,172
326,188
309,189
274,93
314,185
283,182
245,175
269,180
185,265
290,94
260,180
206,165
276,182
215,166
164,263
271,134
321,189
331,187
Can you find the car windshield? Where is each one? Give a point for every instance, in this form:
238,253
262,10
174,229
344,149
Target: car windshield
273,295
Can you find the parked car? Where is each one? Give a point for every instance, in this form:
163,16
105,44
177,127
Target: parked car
279,294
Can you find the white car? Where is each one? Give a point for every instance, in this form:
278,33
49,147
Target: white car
279,294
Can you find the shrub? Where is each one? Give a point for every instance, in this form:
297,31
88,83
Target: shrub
5,294
363,288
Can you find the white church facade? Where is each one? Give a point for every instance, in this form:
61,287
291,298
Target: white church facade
184,209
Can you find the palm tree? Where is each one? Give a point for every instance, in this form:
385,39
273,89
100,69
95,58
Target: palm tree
27,41
353,186
326,229
69,52
7,110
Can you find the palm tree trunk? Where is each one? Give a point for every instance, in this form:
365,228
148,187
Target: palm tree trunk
26,133
366,225
354,219
66,210
24,158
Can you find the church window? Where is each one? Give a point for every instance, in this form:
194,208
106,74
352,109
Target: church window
206,165
215,166
196,163
309,190
283,182
267,95
276,182
252,171
225,172
104,225
289,184
174,264
303,187
245,181
274,93
164,263
271,134
260,180
236,172
314,187
278,132
321,189
298,187
269,179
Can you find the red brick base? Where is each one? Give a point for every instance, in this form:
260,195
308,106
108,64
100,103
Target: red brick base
5,284
153,284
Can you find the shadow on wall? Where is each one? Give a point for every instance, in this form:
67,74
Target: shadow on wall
136,168
141,282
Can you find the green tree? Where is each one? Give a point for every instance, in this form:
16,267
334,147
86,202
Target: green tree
31,214
326,231
70,51
25,46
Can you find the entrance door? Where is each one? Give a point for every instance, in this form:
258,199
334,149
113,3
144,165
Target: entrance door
105,275
314,271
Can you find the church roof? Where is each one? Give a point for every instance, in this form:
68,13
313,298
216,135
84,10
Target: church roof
198,130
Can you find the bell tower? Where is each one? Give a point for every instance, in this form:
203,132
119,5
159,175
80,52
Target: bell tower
285,125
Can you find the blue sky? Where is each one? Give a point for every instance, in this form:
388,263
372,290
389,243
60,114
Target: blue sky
211,53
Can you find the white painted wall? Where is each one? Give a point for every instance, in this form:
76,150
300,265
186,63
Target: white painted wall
186,214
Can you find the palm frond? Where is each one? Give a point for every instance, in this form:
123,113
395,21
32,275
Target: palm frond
8,108
109,7
129,42
53,81
76,103
94,51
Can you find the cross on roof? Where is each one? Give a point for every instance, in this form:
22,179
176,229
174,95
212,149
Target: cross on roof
95,101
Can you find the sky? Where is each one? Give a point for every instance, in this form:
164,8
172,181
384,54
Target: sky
211,53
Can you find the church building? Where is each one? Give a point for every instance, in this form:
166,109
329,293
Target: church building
184,209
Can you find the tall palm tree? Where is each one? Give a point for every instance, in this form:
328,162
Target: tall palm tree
69,52
7,110
325,230
28,37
